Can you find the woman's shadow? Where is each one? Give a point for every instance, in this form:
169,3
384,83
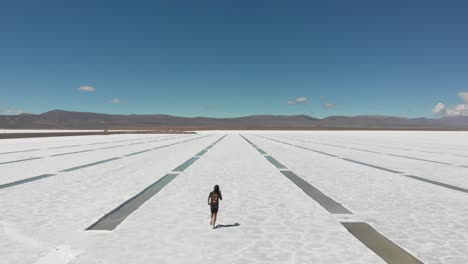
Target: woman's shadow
221,226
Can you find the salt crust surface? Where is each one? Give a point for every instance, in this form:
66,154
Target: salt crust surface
44,221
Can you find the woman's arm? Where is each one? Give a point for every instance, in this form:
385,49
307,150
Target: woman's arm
209,197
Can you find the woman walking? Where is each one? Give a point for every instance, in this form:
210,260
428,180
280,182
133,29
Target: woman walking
213,202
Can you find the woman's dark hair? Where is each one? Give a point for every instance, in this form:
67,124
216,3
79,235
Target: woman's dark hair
216,188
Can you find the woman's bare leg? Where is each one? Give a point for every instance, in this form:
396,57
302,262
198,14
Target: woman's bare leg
211,220
214,219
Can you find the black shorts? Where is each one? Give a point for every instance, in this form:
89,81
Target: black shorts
214,209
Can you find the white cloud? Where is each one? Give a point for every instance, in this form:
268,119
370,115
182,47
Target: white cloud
299,100
115,101
329,105
12,111
439,110
86,88
302,100
459,110
463,96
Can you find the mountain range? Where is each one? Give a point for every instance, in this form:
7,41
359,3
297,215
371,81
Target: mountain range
60,119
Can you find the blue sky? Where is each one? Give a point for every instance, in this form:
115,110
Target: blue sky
234,58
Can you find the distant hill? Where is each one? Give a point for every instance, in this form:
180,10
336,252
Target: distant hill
60,119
